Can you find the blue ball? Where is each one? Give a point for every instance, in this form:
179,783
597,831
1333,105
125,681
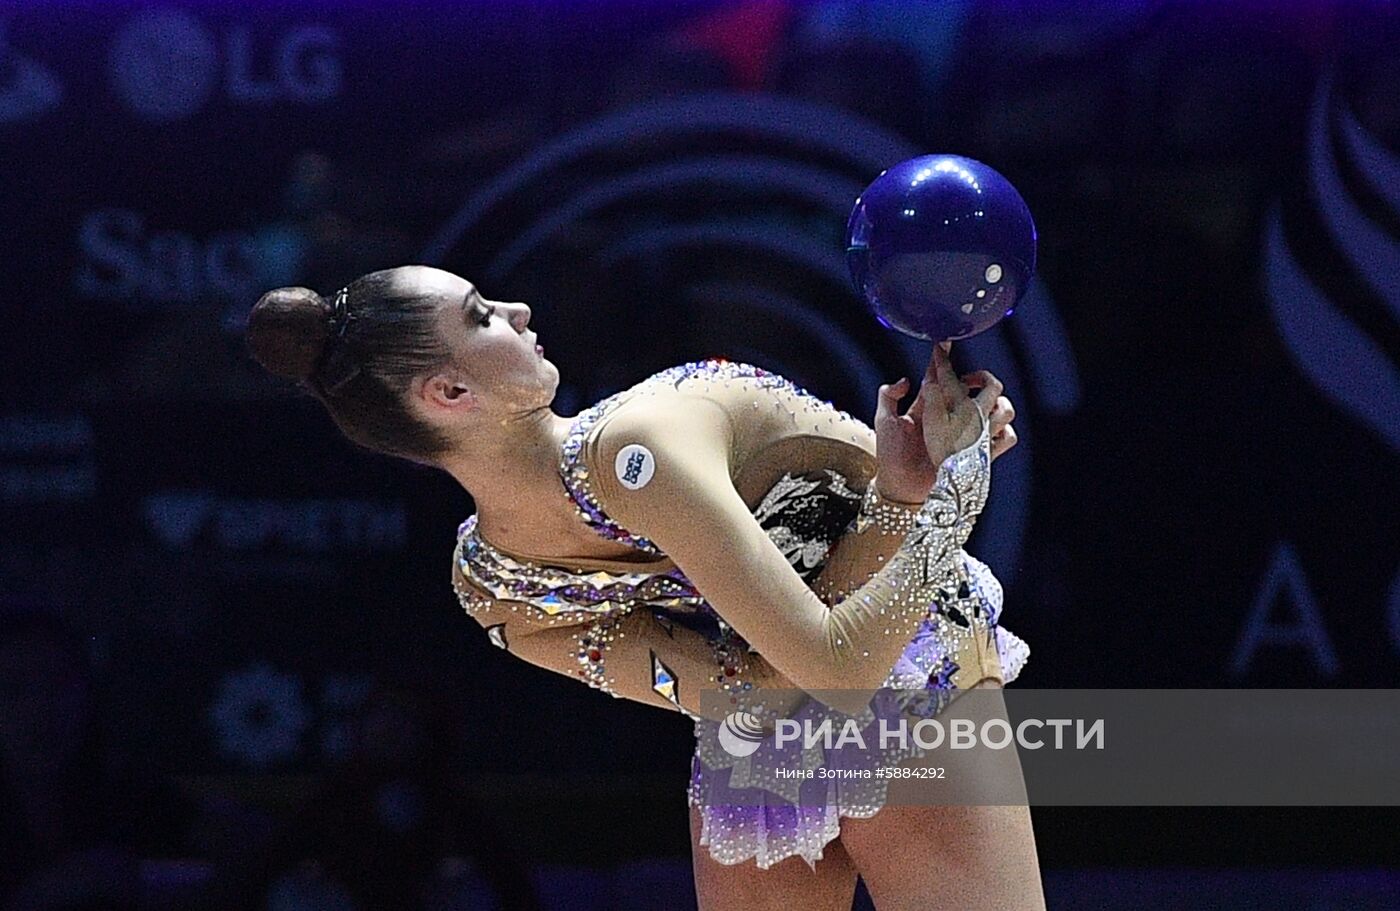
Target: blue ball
941,247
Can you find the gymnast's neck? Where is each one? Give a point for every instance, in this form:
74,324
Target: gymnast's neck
510,465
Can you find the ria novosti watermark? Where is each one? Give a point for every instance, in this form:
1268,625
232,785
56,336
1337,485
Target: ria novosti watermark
1187,747
931,733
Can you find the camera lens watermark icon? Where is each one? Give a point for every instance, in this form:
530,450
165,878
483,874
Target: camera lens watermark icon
740,734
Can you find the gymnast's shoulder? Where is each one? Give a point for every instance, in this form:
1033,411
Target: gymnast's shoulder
756,422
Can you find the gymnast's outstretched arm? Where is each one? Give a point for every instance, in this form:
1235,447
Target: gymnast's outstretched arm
692,511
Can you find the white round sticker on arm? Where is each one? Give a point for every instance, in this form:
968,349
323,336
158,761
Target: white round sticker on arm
634,466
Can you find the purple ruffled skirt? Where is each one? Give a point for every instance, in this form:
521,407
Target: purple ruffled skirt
749,810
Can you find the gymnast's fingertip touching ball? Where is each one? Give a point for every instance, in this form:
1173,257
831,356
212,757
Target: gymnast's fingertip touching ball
941,247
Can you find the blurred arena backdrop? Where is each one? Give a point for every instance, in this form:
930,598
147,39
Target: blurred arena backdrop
1205,373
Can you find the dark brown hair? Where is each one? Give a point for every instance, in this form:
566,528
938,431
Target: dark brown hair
357,358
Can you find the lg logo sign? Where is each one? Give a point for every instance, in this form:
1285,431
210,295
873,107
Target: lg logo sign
166,65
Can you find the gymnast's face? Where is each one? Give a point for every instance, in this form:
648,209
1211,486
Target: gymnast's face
495,365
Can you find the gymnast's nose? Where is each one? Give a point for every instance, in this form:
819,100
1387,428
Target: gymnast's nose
519,316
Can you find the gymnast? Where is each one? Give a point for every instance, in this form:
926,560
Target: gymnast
713,531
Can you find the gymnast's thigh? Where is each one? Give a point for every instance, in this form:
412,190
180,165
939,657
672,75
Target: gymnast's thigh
789,885
955,857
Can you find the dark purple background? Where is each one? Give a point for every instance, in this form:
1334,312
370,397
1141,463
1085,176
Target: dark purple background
192,521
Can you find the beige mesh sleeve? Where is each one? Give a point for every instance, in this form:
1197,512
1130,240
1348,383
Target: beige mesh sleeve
665,474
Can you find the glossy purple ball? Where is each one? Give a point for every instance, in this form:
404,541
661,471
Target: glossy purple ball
941,247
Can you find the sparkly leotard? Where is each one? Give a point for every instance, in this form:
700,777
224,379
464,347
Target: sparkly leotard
748,502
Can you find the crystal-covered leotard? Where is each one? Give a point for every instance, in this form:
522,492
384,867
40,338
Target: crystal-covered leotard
731,481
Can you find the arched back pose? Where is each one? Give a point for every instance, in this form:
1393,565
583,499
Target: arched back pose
712,529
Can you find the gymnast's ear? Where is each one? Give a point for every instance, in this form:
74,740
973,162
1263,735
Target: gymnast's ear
445,391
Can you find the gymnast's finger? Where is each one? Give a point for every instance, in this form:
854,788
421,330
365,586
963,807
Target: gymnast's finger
1004,440
991,390
887,406
950,386
1000,417
1003,412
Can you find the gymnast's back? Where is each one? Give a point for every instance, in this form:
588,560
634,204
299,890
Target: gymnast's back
755,424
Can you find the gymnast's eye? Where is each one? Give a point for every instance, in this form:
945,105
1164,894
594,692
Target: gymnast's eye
486,314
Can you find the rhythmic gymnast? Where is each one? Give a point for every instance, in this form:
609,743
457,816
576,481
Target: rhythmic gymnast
711,530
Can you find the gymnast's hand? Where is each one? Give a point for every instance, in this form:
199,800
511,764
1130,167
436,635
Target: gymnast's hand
909,447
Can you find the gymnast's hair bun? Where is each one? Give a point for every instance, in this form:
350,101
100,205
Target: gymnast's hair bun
287,331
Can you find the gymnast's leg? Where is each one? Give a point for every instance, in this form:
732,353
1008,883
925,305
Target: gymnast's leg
789,885
929,858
